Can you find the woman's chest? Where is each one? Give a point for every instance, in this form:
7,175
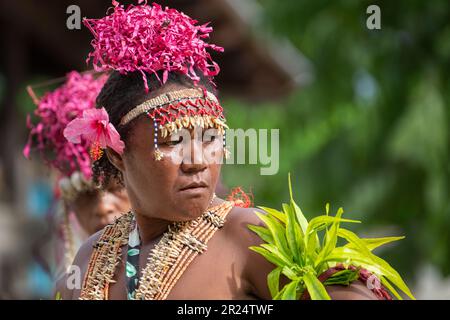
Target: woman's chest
214,274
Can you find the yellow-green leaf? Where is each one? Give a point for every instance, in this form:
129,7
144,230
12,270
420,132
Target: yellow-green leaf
273,281
58,296
298,212
268,256
386,283
291,291
293,234
278,232
274,213
373,243
288,272
330,238
262,232
276,251
373,264
315,287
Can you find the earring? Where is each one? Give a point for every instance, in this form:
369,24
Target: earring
158,155
225,148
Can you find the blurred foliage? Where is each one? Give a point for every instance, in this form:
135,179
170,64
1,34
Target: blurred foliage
371,133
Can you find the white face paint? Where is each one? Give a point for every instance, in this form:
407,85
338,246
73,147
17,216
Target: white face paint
195,146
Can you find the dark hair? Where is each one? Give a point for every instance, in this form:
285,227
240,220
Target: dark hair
120,94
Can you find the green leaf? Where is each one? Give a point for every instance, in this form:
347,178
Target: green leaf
373,243
343,277
293,246
300,225
274,213
374,264
299,215
393,276
352,238
291,291
278,233
311,247
317,224
386,283
320,222
288,272
273,281
315,287
268,256
280,294
293,234
298,212
330,239
262,232
290,186
348,256
276,251
286,209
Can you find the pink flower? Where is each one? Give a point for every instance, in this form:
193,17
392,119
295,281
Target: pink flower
94,126
149,39
54,111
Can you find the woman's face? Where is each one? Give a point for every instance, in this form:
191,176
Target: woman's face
178,187
96,209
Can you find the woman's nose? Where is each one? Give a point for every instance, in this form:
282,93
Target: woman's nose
106,209
194,160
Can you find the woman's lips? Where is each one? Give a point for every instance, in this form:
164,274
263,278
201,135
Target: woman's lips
194,188
194,185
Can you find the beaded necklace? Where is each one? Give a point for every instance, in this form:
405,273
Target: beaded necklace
166,262
133,253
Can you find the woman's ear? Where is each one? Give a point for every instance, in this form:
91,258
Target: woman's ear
115,158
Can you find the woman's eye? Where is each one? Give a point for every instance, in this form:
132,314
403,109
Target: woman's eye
174,142
210,138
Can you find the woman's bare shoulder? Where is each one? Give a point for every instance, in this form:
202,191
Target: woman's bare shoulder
255,267
239,218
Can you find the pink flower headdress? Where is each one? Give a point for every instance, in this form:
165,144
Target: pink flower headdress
153,40
149,39
55,110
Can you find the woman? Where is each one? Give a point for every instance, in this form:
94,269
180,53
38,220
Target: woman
84,209
179,241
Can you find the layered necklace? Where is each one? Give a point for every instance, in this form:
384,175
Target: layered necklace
166,262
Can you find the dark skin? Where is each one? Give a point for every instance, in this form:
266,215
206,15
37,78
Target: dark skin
228,269
96,208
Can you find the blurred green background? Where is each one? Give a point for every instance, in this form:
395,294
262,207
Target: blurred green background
371,131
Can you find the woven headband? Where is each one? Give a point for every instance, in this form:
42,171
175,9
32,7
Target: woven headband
165,99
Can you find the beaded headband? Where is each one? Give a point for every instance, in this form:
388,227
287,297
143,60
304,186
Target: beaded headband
185,108
179,96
